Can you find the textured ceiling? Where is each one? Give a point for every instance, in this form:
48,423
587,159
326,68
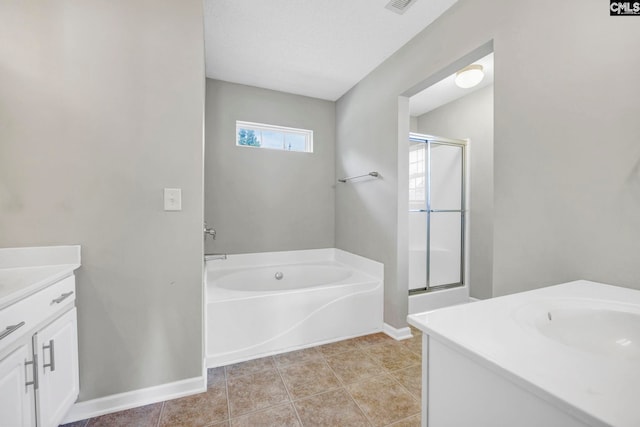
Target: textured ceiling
317,48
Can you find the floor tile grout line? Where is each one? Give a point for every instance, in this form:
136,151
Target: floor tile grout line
333,371
344,383
289,394
388,374
353,399
339,352
318,393
418,398
406,346
285,364
161,412
414,353
379,361
250,373
335,375
283,403
399,421
367,350
260,409
341,385
344,386
341,381
226,392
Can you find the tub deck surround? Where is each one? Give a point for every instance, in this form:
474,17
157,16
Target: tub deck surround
24,271
574,347
321,296
263,259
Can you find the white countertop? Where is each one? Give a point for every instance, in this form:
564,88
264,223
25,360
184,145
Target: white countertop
501,335
24,271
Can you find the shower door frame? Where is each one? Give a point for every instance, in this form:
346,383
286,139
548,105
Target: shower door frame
462,144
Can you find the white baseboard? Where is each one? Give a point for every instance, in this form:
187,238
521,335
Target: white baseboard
397,334
132,399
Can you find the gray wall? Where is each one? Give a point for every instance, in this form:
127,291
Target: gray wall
413,124
261,200
472,117
566,152
101,106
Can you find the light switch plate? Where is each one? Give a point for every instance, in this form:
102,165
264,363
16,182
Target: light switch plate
172,199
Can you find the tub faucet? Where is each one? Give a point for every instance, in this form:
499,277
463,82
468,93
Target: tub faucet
209,231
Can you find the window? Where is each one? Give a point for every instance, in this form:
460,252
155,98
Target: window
417,184
274,137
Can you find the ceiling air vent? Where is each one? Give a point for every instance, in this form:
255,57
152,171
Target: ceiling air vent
399,6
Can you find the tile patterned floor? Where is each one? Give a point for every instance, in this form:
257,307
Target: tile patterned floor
367,381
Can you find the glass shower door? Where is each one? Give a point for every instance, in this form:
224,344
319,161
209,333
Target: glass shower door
436,220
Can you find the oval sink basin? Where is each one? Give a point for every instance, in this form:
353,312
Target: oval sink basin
603,331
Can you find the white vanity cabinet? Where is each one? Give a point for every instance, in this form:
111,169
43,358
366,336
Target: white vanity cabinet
16,402
560,356
58,384
39,354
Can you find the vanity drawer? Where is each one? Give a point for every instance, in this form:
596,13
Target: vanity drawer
23,316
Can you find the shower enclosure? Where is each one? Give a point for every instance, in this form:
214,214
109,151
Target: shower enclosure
436,213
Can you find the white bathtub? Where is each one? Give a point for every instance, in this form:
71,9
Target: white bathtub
323,295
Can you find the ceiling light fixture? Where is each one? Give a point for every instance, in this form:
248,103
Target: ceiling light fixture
469,76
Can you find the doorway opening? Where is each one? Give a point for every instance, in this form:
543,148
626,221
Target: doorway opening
445,186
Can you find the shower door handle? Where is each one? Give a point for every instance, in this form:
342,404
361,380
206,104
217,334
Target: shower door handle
445,210
436,210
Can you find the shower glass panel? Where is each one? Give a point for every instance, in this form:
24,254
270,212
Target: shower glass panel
436,213
444,251
417,214
446,177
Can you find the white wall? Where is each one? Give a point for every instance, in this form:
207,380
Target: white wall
261,200
101,107
566,158
471,117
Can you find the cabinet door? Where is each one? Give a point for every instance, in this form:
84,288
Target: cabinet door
58,385
16,399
